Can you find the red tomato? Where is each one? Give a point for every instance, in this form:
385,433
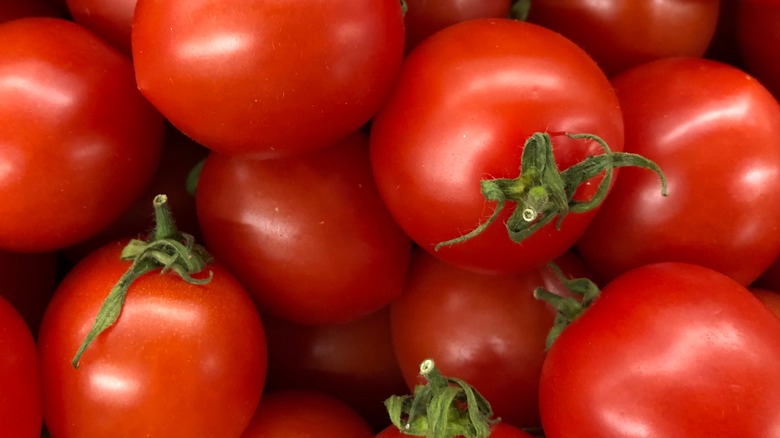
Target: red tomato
298,413
621,34
467,99
485,329
13,9
181,360
110,19
28,281
667,350
770,298
270,77
180,155
308,235
80,143
20,399
758,32
500,430
355,362
715,132
423,18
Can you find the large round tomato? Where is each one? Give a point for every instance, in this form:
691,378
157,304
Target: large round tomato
182,359
758,33
485,329
80,143
667,350
620,34
308,235
466,101
110,19
301,413
20,399
715,132
354,362
267,77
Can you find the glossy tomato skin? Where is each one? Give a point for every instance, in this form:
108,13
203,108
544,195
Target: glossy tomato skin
500,430
110,19
267,78
301,413
668,349
715,132
21,412
485,329
355,361
622,34
467,99
423,18
308,235
181,360
758,30
80,143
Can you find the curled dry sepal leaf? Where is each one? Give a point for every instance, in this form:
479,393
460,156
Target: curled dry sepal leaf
542,192
570,308
167,249
443,407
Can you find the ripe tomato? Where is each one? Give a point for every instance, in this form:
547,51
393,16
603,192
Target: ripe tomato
715,131
622,34
267,77
110,19
485,329
308,235
28,281
20,399
423,18
466,101
181,360
299,413
80,143
667,350
758,29
355,362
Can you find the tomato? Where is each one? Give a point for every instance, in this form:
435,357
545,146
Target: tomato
485,329
180,155
715,131
28,281
667,350
355,362
80,143
622,34
20,400
425,17
299,413
308,235
267,77
110,19
13,9
466,101
770,298
758,29
181,360
500,430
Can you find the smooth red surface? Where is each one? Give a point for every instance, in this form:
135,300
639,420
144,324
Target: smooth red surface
110,19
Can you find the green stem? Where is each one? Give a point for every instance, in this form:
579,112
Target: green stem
541,192
444,407
167,250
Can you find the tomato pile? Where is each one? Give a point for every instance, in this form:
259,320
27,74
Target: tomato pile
271,218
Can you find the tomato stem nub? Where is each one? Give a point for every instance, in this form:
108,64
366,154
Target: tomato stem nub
167,249
443,407
541,192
